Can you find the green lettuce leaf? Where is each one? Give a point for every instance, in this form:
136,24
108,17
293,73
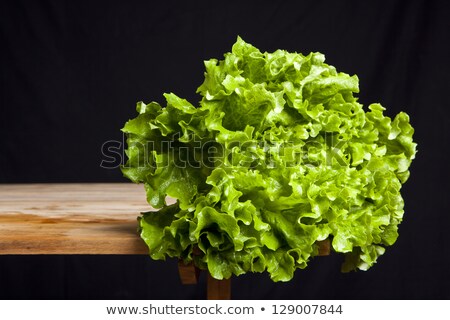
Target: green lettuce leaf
278,155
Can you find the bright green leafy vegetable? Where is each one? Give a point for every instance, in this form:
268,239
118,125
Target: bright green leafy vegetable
278,155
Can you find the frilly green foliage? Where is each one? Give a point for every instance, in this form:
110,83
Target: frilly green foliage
278,155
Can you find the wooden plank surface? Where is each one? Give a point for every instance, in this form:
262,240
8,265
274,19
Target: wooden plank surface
71,218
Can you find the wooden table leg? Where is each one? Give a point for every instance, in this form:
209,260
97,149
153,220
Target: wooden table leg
188,272
218,289
324,247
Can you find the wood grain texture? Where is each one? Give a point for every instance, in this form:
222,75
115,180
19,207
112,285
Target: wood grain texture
71,218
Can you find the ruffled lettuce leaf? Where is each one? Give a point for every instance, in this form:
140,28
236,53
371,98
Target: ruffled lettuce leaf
278,155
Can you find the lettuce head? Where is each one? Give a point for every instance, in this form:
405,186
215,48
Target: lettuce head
276,156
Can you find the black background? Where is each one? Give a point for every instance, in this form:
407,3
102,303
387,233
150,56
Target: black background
72,71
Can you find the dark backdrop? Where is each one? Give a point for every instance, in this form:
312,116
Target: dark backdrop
72,71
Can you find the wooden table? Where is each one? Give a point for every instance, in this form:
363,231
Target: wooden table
83,218
71,218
